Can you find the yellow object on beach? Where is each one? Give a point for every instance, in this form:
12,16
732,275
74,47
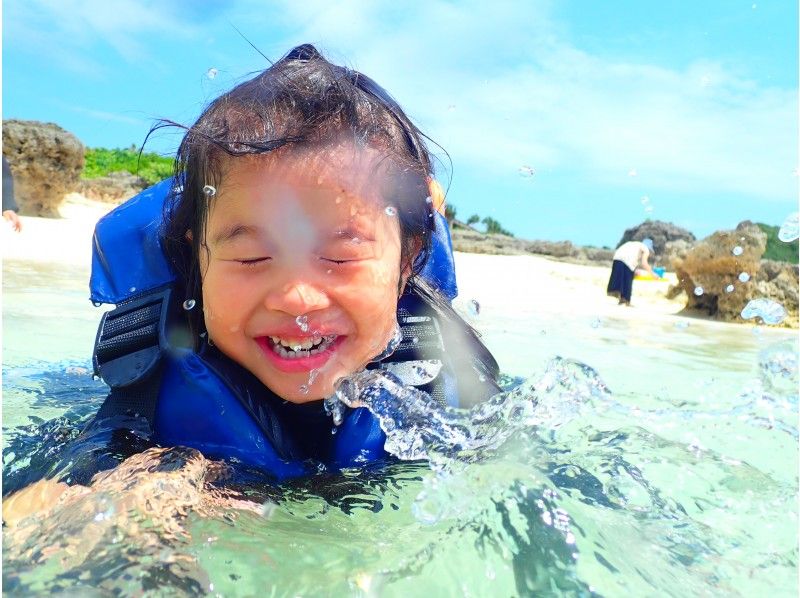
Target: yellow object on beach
647,277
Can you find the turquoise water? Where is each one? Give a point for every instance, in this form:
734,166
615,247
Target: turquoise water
632,461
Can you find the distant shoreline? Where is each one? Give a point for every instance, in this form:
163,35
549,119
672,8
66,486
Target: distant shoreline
552,284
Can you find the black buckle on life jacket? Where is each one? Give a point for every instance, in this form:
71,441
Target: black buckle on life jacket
422,336
131,339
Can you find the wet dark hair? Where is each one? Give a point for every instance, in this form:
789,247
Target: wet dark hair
302,100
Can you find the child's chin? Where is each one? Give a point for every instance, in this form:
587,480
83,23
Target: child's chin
298,394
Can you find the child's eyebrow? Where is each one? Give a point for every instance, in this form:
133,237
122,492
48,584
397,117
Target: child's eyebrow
229,233
352,233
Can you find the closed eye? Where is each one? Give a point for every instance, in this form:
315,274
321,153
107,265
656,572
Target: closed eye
253,261
337,262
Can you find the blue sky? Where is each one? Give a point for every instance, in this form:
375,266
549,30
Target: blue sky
680,111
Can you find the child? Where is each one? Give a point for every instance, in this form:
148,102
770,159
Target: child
297,236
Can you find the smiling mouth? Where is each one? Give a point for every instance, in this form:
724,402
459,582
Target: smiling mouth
300,348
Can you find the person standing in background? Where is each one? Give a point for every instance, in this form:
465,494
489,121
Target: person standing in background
628,257
9,205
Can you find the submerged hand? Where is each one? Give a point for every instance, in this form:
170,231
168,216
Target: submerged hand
39,496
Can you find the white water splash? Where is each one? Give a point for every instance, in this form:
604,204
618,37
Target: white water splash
768,310
417,427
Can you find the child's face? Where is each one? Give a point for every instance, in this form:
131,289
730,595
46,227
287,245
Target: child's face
301,276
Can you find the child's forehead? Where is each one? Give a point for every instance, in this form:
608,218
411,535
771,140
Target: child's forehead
345,169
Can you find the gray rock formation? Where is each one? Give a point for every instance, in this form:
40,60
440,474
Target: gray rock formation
46,162
662,233
114,188
469,240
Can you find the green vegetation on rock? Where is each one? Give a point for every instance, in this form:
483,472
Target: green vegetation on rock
493,227
149,166
776,249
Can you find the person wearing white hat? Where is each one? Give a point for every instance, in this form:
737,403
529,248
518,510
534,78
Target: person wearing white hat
627,258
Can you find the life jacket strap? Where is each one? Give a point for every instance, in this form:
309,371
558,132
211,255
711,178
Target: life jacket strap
131,339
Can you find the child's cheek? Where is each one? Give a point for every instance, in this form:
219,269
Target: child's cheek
221,309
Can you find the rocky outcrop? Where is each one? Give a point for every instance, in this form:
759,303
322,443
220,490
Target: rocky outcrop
116,187
723,272
471,241
779,281
46,162
662,234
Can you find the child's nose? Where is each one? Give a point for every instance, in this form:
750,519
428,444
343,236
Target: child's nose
296,298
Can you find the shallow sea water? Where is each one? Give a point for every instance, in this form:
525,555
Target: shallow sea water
627,461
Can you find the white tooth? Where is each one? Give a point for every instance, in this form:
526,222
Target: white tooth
306,344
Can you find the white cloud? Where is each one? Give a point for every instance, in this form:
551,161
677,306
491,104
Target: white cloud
109,116
519,92
70,32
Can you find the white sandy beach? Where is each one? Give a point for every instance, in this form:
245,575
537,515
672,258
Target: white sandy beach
503,283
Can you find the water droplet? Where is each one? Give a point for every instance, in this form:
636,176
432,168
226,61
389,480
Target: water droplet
482,377
415,340
681,324
303,389
744,277
211,73
474,307
645,200
390,211
312,375
132,290
737,250
771,312
97,303
302,323
328,271
729,288
334,430
790,229
428,200
95,377
596,323
648,209
698,291
526,171
209,191
189,304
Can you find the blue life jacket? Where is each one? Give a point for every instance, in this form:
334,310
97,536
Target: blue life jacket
204,400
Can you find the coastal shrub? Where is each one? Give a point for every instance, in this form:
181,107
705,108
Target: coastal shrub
450,212
150,166
493,227
474,219
776,249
